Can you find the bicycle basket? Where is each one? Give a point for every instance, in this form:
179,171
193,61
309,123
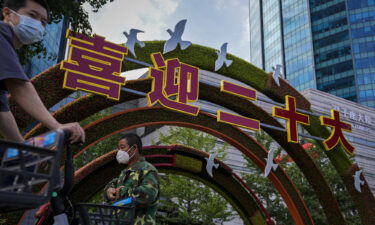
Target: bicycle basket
94,214
25,169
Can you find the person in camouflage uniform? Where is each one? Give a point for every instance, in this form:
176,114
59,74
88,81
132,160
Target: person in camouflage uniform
139,180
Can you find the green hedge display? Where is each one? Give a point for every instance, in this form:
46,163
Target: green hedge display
245,72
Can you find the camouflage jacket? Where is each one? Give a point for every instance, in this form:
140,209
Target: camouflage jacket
140,181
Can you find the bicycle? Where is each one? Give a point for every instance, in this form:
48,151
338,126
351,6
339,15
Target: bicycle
120,213
26,167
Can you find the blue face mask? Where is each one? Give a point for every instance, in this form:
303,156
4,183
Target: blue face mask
28,30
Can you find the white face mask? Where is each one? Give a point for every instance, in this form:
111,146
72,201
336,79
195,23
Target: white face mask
123,157
28,30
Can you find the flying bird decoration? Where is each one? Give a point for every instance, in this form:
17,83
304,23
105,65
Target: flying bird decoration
210,164
132,39
357,180
277,74
270,164
222,58
176,38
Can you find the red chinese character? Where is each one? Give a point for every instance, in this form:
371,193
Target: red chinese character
292,117
336,133
175,84
233,119
94,65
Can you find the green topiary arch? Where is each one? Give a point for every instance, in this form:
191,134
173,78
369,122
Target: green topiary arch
130,119
134,118
91,179
245,72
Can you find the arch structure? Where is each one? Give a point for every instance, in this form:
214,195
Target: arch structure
175,159
49,85
130,119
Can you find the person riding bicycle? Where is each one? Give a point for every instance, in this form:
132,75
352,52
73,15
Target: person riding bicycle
24,23
139,180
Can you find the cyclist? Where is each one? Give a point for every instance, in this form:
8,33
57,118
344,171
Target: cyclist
139,180
24,23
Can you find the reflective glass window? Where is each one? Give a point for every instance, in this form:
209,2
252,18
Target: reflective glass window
332,39
328,11
363,32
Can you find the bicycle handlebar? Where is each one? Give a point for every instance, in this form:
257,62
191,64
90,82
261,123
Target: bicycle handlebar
69,172
57,200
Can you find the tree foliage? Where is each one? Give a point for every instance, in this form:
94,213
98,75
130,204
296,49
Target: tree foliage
190,201
73,11
195,203
195,139
275,204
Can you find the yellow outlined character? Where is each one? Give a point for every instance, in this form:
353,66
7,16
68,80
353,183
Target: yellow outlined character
94,65
175,84
292,117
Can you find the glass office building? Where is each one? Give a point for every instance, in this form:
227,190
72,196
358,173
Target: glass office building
273,50
324,44
332,48
298,48
55,42
361,16
256,34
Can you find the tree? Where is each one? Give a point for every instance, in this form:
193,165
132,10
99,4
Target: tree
194,204
73,11
275,204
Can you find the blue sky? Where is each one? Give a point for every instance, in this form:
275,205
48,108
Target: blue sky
209,22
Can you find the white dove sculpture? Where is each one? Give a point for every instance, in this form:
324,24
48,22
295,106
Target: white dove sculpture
132,40
210,164
277,74
176,38
270,164
222,57
357,180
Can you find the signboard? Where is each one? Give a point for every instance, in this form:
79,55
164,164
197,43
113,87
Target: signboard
94,65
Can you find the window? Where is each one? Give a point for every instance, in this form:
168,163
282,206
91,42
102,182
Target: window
332,39
356,4
363,32
333,54
365,63
337,68
328,11
315,3
327,26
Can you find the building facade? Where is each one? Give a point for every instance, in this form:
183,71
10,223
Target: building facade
361,16
328,45
361,118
